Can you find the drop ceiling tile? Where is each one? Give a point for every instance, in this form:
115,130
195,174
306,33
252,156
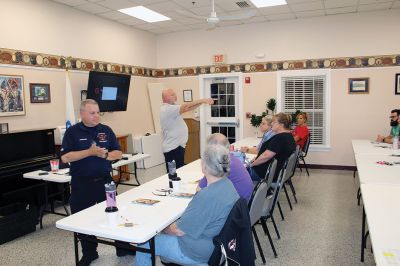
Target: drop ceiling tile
94,1
366,2
114,15
274,10
132,21
199,26
189,4
189,21
204,11
158,31
315,5
145,2
286,16
229,5
339,3
164,7
178,28
341,10
257,19
93,8
116,4
291,2
71,2
311,13
373,7
146,26
396,4
167,24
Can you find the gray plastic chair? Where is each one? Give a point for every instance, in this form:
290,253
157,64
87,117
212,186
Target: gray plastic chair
288,179
257,205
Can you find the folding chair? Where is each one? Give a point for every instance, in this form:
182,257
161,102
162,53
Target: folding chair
303,153
256,206
288,179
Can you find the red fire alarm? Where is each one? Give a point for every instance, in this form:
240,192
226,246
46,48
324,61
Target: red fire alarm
247,80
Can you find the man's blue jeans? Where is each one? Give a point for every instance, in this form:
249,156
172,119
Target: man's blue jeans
167,247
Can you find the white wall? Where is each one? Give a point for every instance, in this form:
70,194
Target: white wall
48,27
320,37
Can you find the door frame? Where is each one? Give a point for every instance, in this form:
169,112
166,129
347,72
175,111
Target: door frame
238,100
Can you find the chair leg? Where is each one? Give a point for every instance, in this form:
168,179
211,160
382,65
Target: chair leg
358,196
258,244
280,211
275,227
293,190
287,197
305,165
272,243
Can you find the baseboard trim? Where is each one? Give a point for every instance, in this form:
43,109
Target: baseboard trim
330,167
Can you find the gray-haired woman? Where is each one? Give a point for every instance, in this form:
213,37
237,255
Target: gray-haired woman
190,239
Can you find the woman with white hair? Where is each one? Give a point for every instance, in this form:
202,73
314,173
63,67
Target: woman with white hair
189,240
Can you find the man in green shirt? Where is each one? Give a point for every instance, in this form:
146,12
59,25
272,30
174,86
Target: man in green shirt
395,127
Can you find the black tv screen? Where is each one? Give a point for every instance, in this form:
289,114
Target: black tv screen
109,90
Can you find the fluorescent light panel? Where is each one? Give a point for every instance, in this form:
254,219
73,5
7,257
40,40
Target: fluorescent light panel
144,13
267,3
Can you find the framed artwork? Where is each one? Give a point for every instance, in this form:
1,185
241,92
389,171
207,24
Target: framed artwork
397,87
40,92
187,96
11,95
358,85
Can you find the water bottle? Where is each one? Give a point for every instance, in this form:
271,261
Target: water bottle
111,201
171,172
395,142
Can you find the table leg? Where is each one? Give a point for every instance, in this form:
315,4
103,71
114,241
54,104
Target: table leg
135,171
363,238
153,251
46,201
76,248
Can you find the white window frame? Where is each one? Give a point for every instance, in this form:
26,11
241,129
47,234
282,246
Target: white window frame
303,73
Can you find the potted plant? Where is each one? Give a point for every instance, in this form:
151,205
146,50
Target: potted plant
255,121
271,104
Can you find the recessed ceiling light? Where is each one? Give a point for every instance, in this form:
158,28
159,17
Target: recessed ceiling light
267,3
144,13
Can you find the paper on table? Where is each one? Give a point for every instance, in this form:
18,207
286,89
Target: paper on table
145,201
392,256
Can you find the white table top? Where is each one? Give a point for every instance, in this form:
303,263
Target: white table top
381,204
372,147
249,142
369,171
148,220
62,176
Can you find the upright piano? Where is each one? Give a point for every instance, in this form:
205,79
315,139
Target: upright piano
21,152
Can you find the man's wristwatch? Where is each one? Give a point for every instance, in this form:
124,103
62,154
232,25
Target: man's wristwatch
106,155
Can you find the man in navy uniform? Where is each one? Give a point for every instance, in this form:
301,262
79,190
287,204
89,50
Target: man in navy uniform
89,147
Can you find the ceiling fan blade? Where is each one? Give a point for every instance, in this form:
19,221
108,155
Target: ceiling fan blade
211,27
189,14
244,15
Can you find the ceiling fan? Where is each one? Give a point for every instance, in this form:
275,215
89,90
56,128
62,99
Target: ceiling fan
213,19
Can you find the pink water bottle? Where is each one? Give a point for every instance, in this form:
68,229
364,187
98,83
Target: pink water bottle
231,148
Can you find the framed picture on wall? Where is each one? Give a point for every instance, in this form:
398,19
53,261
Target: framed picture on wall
12,95
397,87
358,85
40,92
187,96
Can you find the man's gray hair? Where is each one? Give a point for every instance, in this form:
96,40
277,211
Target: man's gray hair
218,138
87,101
216,160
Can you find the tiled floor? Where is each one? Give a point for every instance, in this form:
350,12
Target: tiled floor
324,228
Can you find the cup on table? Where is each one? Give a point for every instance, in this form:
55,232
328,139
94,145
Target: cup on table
112,218
176,185
54,165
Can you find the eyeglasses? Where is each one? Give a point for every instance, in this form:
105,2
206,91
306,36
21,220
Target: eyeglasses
393,117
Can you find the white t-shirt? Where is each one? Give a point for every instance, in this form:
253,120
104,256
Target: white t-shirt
174,128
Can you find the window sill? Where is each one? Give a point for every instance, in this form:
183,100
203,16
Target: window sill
320,148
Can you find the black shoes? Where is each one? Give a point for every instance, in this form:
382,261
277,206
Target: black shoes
86,260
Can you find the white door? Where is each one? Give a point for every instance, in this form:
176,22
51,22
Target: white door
226,113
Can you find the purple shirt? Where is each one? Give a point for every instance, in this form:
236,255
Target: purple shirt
239,177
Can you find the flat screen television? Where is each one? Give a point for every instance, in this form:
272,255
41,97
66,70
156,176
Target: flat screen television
109,90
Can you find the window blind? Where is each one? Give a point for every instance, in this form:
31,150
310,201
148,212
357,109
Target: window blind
307,93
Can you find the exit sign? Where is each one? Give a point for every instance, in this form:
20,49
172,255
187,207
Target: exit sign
219,59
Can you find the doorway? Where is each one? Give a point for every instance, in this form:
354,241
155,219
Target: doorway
226,114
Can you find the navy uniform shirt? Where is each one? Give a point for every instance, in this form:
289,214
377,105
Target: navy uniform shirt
80,137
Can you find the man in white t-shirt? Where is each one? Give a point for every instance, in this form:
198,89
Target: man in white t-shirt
175,131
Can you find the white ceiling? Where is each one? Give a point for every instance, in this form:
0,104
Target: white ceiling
179,22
